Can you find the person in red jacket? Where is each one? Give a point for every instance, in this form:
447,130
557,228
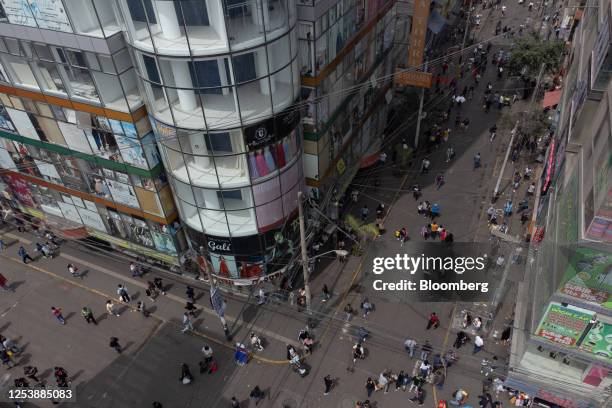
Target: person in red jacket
433,321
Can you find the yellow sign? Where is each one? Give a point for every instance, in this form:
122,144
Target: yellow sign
341,166
418,32
414,78
153,253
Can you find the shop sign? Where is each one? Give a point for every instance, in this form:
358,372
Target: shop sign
418,32
550,166
271,130
341,166
219,245
133,247
563,325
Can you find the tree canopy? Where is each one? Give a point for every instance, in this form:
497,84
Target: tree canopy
531,54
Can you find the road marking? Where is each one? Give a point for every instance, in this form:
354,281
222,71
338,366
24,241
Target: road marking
155,315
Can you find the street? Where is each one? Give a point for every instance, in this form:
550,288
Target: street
149,367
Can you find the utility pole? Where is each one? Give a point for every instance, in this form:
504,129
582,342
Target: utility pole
305,270
418,126
467,27
501,172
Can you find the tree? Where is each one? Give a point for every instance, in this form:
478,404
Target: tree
530,54
364,231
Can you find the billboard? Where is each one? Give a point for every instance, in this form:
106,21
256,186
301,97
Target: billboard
563,325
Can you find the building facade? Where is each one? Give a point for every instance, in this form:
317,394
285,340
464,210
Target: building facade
76,145
562,342
208,112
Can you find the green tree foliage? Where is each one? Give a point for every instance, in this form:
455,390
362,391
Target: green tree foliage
530,54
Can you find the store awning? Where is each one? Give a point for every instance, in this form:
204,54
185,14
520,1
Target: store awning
552,98
436,22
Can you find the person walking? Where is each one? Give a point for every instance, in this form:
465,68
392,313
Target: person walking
57,312
88,315
257,395
187,324
348,310
190,293
476,160
74,271
159,285
6,359
425,350
114,343
410,346
3,284
151,291
370,386
110,308
124,296
366,307
23,254
329,383
434,320
439,181
478,344
31,373
2,244
325,293
364,212
186,376
235,403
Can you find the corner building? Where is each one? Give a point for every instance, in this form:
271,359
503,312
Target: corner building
220,78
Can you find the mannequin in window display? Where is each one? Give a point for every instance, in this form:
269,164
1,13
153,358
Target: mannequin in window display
252,271
223,269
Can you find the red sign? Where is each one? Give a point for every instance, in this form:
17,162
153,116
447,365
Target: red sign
550,166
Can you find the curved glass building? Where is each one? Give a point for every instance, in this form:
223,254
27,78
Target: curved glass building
220,78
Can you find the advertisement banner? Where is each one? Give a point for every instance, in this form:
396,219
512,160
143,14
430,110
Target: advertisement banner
70,212
50,14
563,325
5,120
123,193
92,219
131,151
22,122
18,12
589,277
271,130
164,243
599,341
150,149
152,253
75,137
418,33
6,161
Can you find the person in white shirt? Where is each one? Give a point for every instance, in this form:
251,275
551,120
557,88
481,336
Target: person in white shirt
410,346
478,344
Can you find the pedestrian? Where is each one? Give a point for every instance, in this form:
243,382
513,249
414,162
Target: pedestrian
159,285
366,307
329,383
525,217
23,254
461,339
531,189
140,308
31,373
348,310
439,180
425,350
364,212
450,153
425,165
419,396
6,359
88,315
416,191
2,244
114,343
74,271
478,344
190,293
424,369
57,312
3,284
151,292
257,394
235,403
434,320
485,400
476,160
135,270
61,376
399,380
410,346
186,376
370,386
187,324
124,296
434,211
325,293
110,308
417,382
383,382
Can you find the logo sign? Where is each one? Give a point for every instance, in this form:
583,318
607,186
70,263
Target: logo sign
219,245
414,78
271,130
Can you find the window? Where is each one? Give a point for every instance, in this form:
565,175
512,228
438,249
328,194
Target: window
151,67
141,9
43,52
219,143
244,67
76,58
193,11
205,74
